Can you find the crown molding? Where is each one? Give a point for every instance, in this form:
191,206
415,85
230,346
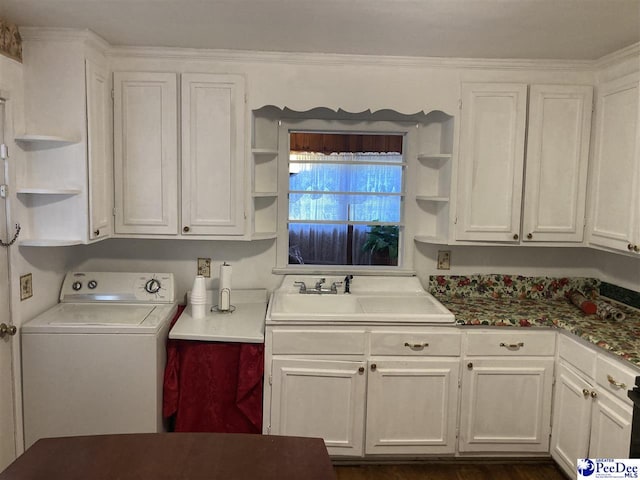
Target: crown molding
619,56
297,58
52,34
327,59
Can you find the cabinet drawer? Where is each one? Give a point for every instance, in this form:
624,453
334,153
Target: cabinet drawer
318,342
415,343
615,377
511,343
579,356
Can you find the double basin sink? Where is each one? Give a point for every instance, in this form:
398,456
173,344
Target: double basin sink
370,299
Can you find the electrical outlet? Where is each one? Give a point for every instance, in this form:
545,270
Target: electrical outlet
444,259
204,267
26,286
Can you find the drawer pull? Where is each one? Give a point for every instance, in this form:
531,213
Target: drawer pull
585,392
616,384
512,346
416,346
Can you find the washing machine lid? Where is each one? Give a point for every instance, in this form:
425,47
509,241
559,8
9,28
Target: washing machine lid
100,318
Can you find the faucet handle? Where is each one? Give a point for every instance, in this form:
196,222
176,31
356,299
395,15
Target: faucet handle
302,285
335,285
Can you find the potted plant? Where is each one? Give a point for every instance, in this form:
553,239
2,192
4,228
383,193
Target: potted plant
382,242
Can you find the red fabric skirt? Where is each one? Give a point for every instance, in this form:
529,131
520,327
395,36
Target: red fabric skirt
214,386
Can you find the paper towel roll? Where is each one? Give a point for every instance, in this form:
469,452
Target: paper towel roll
606,311
224,287
582,302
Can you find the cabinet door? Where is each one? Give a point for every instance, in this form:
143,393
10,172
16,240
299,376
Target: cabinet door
100,159
490,169
610,428
571,419
320,398
145,153
614,204
412,406
506,404
557,160
212,154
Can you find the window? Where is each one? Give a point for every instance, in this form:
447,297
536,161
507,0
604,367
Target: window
345,198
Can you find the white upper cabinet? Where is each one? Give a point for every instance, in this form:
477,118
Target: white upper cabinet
615,201
491,197
212,154
210,192
557,163
146,153
491,158
99,151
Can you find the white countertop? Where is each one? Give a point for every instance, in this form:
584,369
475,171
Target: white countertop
244,325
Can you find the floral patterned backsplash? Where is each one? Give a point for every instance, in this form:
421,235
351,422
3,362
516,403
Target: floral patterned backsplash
510,286
10,41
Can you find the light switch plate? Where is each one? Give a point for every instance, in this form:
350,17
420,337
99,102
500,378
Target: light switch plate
26,286
444,259
204,267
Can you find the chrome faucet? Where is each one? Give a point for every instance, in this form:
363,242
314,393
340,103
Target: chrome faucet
319,283
302,285
347,283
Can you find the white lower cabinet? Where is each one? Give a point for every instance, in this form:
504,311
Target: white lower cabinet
404,391
507,380
411,406
592,415
506,405
320,398
363,392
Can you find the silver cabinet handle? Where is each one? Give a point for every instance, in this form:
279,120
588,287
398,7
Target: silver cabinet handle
615,383
416,345
512,346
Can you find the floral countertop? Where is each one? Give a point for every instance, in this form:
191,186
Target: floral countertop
514,301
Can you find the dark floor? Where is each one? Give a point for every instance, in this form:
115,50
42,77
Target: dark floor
539,470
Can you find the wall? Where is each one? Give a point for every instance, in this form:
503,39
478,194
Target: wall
251,261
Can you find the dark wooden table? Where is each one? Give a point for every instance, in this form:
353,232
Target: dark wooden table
175,456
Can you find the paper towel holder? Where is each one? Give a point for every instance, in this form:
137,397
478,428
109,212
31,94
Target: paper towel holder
215,309
231,309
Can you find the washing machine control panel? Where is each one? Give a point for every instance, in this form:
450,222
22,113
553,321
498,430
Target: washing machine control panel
123,287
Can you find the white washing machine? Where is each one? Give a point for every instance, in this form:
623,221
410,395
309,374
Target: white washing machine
94,363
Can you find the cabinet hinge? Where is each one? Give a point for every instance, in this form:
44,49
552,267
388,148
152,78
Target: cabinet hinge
270,379
269,430
455,220
114,211
459,383
4,151
113,94
459,104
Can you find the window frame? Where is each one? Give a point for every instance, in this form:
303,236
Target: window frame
405,250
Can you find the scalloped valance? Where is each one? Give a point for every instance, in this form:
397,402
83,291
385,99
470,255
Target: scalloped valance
10,41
